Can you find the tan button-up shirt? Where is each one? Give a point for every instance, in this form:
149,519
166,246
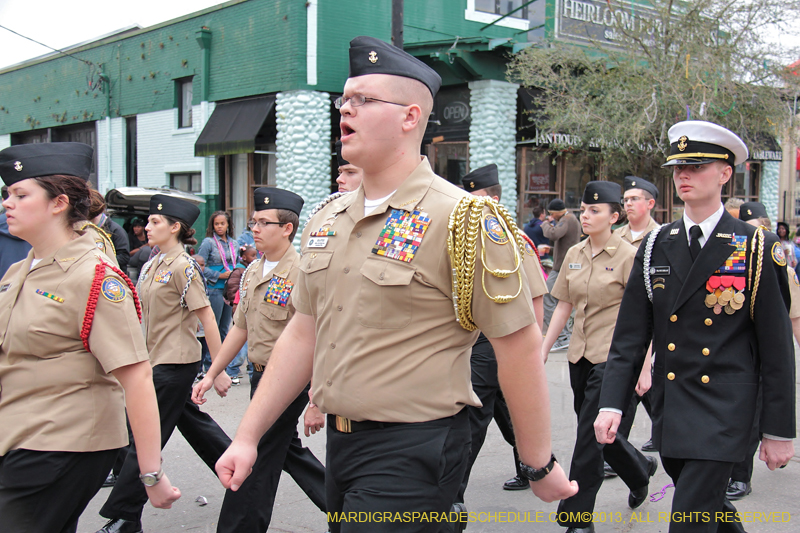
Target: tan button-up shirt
101,241
388,345
625,232
54,395
594,286
266,305
534,273
171,330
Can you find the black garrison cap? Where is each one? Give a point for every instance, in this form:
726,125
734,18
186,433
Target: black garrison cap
273,198
602,192
481,178
25,161
161,204
369,55
342,160
751,210
632,182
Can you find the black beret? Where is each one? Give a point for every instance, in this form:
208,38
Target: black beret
25,161
633,182
602,192
751,210
161,204
556,205
273,198
342,160
481,178
369,55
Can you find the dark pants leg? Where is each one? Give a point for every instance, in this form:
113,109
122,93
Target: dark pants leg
405,468
627,419
249,509
46,492
743,470
700,494
173,385
203,434
502,416
587,458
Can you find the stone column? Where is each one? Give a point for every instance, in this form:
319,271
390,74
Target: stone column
769,193
304,146
492,133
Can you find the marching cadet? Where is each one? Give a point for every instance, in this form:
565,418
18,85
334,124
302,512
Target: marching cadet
592,281
638,200
173,300
70,336
755,214
265,307
350,176
708,289
484,182
383,272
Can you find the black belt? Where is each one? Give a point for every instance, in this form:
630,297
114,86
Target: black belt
345,425
257,367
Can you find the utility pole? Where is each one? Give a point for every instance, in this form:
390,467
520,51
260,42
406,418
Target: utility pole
397,23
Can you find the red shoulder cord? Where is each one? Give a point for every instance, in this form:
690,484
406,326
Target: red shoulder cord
94,295
535,249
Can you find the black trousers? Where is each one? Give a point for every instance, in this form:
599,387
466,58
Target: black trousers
404,468
46,492
743,470
587,458
700,494
627,421
173,385
249,509
487,387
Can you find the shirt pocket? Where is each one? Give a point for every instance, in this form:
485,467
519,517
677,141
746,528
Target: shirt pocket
273,312
385,298
52,331
314,266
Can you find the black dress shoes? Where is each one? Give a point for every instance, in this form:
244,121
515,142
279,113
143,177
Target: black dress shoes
648,446
608,471
118,525
738,490
589,529
516,483
638,496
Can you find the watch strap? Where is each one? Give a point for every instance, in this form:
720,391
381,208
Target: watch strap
537,474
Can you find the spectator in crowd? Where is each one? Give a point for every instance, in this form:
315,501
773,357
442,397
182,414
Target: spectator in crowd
533,228
786,243
137,238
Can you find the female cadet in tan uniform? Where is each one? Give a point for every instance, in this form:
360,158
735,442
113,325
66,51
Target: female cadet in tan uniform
592,281
68,322
173,299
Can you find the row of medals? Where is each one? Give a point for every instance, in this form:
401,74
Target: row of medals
727,300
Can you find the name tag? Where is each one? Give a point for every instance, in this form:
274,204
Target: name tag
318,242
574,266
659,270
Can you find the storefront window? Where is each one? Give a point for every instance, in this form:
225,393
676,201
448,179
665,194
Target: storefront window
449,160
539,177
579,169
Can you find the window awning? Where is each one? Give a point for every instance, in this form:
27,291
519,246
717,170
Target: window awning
233,127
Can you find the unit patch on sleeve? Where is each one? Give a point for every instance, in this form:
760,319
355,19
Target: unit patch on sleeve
402,234
493,229
278,291
113,290
189,272
778,254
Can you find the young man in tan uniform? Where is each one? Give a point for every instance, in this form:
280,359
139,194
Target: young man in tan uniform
265,307
375,319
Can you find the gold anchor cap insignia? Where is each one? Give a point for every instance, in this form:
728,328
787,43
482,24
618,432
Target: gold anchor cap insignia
595,196
682,143
471,184
266,200
160,207
18,166
749,212
633,184
373,57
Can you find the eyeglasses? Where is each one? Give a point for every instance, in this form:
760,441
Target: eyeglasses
631,199
263,223
357,100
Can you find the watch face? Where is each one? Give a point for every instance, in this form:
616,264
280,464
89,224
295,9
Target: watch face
149,479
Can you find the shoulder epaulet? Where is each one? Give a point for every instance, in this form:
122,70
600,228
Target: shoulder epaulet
322,204
103,235
94,295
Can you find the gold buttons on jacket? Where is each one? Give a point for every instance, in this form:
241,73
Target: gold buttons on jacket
705,379
673,318
706,351
708,321
671,376
671,347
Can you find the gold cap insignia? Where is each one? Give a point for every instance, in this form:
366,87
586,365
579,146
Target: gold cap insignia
160,207
266,200
373,57
633,184
682,143
749,212
471,184
18,166
596,196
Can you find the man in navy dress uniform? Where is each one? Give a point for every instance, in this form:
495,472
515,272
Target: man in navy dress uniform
712,293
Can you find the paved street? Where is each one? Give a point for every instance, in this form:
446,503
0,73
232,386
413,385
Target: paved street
773,492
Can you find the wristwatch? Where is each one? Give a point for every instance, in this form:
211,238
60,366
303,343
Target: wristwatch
151,479
537,474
